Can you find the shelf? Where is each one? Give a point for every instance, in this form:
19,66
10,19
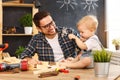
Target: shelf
17,34
10,12
17,4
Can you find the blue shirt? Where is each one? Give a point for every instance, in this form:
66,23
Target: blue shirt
38,44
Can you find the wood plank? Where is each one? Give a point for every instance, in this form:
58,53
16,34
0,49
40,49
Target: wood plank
1,13
17,4
85,74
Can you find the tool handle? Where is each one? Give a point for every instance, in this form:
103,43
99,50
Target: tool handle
3,46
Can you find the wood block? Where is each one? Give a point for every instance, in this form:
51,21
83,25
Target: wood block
117,78
48,74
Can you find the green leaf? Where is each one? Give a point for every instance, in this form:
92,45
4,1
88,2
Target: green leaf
26,20
101,55
19,50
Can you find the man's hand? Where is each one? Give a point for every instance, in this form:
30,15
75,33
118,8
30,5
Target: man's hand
33,62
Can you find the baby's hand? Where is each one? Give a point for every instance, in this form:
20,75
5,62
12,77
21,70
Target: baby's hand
82,39
71,36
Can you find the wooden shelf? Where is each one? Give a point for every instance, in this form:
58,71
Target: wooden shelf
17,34
17,4
18,9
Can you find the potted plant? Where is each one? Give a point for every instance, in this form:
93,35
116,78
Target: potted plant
26,22
101,62
116,43
19,50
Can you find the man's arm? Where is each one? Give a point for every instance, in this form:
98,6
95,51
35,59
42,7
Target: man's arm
30,49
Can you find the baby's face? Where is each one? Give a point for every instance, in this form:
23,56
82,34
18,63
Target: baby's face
85,33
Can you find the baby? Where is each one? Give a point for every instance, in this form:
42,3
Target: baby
88,41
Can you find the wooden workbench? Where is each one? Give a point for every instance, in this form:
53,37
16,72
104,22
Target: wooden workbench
85,74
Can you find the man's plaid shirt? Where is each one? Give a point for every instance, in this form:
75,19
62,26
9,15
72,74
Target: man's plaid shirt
38,44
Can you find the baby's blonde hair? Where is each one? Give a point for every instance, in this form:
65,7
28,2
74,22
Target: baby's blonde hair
90,21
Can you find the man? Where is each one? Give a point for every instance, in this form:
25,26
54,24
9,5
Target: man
51,43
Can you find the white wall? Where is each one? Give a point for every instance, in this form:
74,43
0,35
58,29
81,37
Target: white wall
113,21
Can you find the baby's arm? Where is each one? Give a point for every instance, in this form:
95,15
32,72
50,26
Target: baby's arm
80,43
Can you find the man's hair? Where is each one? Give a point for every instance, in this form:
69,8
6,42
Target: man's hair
39,16
90,20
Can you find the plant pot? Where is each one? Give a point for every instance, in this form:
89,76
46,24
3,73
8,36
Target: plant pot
28,30
117,47
101,69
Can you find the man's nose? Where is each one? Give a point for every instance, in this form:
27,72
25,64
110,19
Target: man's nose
51,26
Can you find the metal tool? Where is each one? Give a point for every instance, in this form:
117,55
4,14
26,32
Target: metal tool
23,65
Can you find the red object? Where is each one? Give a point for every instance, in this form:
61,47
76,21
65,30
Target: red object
77,77
24,65
1,67
64,70
3,46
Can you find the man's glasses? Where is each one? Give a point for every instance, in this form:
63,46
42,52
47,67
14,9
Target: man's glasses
48,25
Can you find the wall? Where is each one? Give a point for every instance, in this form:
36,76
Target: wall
68,12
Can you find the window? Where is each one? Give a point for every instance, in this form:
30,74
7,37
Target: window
113,21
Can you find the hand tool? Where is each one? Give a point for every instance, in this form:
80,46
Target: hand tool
23,66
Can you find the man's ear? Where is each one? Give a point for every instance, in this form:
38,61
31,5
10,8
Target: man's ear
39,29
